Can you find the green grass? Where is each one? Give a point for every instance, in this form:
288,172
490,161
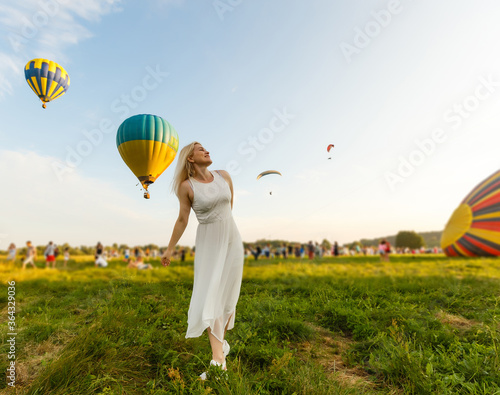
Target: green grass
350,325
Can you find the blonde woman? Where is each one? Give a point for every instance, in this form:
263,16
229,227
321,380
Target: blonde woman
218,263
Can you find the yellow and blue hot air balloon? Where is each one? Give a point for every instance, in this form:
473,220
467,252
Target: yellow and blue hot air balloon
148,145
47,79
474,227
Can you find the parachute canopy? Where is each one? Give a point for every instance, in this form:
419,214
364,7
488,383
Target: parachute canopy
148,145
330,147
265,173
474,227
47,79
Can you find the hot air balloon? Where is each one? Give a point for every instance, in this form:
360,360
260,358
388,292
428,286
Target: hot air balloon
329,148
47,79
148,145
474,227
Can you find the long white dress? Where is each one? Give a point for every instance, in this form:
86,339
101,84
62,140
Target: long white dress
218,262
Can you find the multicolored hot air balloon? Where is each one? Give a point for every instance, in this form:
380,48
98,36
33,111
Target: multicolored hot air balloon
47,79
474,227
148,145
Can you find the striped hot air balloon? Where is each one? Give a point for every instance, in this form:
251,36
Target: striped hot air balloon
148,145
47,79
474,227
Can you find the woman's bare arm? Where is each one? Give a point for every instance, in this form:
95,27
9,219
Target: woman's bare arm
185,199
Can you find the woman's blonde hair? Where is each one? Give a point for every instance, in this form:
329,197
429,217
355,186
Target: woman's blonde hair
184,168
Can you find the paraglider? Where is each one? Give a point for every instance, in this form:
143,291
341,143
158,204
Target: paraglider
329,148
148,145
266,173
47,79
474,227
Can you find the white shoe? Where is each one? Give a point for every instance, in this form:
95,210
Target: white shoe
225,348
203,376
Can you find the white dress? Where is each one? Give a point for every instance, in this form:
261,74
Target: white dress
218,262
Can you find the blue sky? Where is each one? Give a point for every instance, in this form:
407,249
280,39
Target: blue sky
407,91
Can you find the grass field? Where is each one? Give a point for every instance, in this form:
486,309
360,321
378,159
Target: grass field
350,325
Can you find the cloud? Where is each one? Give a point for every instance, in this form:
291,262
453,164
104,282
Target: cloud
34,28
239,193
37,206
164,3
312,176
8,67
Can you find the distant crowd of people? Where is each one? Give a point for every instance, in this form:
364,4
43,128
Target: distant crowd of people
310,250
315,250
136,257
51,253
286,251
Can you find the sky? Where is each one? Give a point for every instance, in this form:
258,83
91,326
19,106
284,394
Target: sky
407,91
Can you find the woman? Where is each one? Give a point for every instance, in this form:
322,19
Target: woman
138,264
98,250
100,260
218,263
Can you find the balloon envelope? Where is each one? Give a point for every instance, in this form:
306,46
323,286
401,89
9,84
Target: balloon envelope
148,145
474,227
47,79
265,173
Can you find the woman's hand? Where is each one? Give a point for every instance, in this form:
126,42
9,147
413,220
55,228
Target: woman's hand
165,258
